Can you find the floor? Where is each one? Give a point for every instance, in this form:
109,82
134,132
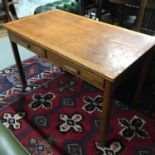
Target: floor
6,55
27,7
23,8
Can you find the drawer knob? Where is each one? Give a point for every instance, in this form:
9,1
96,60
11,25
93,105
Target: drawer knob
28,46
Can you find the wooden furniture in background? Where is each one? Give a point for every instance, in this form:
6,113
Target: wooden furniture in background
99,53
88,4
98,5
118,9
141,10
140,16
7,10
148,25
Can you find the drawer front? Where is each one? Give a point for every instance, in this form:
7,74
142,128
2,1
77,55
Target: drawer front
27,44
78,71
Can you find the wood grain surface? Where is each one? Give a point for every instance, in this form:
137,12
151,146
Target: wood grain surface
104,49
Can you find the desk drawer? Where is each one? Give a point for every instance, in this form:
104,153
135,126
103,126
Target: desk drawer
78,71
27,44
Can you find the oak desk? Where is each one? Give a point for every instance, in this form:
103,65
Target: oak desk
98,53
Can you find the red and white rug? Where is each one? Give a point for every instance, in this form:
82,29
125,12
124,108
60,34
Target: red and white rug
59,114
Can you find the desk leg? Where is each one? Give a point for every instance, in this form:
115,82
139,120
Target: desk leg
18,63
142,77
108,98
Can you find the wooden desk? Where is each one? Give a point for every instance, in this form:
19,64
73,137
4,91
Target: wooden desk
98,53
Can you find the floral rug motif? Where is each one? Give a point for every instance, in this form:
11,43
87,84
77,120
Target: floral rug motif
59,114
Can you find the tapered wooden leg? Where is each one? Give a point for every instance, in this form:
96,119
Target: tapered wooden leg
108,98
142,77
18,63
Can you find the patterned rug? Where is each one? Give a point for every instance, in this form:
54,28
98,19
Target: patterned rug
58,114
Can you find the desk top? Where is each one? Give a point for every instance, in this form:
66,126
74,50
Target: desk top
104,49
